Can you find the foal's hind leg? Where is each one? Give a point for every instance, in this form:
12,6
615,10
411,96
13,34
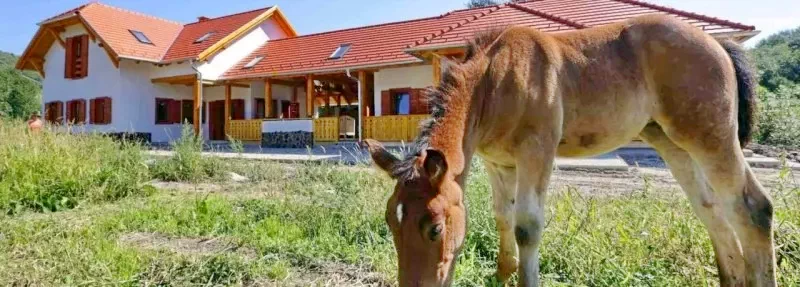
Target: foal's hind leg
705,204
503,180
747,207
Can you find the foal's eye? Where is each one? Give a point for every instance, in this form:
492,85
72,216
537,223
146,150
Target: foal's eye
435,232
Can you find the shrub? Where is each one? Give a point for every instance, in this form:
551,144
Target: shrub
51,171
188,162
779,116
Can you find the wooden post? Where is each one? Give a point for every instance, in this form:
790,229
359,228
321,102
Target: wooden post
197,105
310,96
268,99
227,109
437,70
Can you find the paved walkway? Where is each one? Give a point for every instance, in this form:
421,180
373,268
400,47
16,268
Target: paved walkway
348,153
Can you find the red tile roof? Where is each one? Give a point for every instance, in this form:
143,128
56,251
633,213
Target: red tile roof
112,25
184,45
385,44
370,45
559,15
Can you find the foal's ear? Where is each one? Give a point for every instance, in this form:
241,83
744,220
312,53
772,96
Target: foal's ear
382,157
435,166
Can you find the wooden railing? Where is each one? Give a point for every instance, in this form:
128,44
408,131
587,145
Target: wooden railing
245,130
393,128
326,129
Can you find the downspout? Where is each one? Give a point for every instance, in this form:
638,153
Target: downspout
200,92
360,101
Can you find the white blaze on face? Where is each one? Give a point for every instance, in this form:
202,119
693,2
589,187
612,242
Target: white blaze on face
399,213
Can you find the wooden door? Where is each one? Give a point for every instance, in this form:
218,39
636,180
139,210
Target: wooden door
216,120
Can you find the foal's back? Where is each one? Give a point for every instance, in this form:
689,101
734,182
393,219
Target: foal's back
601,86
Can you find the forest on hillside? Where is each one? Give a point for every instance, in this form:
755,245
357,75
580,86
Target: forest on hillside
20,92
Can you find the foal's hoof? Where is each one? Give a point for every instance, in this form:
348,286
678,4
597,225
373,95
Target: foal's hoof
505,271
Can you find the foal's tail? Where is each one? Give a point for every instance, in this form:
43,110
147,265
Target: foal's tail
746,82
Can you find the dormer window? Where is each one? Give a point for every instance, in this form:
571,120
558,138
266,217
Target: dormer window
141,37
253,62
339,53
203,38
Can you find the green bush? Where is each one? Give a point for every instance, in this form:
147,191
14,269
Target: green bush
779,116
188,163
51,171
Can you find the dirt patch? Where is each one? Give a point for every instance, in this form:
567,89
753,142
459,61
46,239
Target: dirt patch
184,245
776,152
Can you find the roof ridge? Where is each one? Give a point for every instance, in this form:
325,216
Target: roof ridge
133,12
555,18
364,27
688,14
229,15
451,27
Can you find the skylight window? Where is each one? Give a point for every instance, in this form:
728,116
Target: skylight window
141,37
339,53
203,38
253,62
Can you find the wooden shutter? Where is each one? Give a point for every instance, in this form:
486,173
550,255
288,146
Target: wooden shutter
174,111
93,112
70,117
84,56
59,112
81,106
386,103
419,104
106,110
69,60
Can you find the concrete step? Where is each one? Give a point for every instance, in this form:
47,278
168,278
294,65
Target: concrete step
747,153
757,160
605,162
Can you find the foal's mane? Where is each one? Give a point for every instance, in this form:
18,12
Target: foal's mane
438,100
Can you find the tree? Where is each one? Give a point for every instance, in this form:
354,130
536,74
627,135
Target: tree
19,91
483,3
777,59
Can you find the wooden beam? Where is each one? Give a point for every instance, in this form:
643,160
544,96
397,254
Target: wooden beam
268,98
180,79
437,70
57,37
227,109
38,65
310,96
197,106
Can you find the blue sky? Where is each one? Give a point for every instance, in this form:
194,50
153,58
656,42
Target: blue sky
19,17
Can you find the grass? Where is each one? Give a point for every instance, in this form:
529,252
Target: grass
322,224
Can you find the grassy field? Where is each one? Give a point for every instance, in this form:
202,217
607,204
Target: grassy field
322,224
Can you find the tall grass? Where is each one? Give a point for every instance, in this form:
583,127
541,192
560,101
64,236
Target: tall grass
51,171
187,163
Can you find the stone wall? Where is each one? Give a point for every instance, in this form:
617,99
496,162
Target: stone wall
298,139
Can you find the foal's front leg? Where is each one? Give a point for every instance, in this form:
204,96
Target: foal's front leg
503,180
533,175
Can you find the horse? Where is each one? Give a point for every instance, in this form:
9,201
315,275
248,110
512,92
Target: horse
521,97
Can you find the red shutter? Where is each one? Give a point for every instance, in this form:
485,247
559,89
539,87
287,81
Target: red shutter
174,113
59,112
84,56
386,103
69,117
238,109
107,110
81,111
93,112
68,59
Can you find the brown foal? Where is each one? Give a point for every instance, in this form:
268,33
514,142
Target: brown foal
522,97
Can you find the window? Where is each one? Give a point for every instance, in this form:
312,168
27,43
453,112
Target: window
76,59
76,112
54,112
187,111
141,37
259,108
339,53
100,111
253,62
204,37
168,111
401,103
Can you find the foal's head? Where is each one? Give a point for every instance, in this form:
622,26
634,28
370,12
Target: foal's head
425,214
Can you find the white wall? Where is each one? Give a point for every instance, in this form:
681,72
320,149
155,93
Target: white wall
289,125
227,58
102,80
416,77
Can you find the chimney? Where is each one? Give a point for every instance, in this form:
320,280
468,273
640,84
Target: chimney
202,19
